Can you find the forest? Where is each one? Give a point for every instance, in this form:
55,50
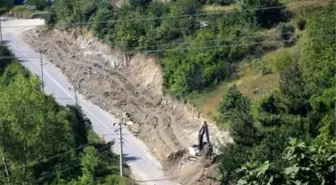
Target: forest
285,137
42,142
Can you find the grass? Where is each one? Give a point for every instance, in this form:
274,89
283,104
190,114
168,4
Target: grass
208,100
219,8
248,82
295,4
21,11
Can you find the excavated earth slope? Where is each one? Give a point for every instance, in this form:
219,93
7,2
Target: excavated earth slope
125,84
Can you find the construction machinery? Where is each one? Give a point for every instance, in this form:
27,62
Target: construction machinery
202,149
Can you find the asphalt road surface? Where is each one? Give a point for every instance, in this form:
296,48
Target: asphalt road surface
145,168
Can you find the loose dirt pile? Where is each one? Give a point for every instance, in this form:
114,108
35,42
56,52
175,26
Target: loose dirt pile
125,84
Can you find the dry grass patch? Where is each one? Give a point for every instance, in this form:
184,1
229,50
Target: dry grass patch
303,3
248,82
219,8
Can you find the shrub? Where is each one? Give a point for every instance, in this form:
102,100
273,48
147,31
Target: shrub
286,33
260,67
282,60
232,157
301,24
265,17
51,18
40,4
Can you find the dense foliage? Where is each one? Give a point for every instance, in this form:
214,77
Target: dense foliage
39,4
42,142
5,5
288,136
196,49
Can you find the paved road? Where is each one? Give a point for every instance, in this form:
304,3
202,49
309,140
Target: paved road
145,167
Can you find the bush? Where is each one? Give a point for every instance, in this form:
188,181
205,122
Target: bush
232,157
301,24
286,33
265,17
6,4
282,60
221,2
260,67
224,2
51,18
40,4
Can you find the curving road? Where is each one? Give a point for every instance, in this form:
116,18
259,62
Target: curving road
145,167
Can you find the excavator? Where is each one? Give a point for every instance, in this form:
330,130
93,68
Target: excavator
202,149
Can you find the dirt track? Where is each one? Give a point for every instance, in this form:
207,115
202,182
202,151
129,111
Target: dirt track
120,85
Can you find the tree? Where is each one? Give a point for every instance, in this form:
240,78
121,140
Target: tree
40,4
91,164
231,158
319,48
293,91
314,164
259,174
5,5
235,107
268,12
43,141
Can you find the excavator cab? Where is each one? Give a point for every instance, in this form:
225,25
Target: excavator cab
202,149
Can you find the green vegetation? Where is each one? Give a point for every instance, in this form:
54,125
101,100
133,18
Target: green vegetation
21,11
5,6
288,136
285,137
197,50
39,4
43,142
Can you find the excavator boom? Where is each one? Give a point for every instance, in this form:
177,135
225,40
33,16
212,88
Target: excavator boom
204,130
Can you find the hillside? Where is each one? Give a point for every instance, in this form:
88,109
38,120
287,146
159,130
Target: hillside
262,70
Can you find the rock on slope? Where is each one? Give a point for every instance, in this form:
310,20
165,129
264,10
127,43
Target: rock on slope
124,84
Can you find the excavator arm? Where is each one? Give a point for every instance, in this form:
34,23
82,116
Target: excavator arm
204,130
200,137
202,148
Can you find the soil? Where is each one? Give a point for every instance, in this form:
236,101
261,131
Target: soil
130,86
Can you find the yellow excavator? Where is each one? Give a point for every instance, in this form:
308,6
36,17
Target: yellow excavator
203,149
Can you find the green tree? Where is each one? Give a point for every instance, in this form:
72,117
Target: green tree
259,174
236,108
40,4
232,157
312,164
268,12
42,141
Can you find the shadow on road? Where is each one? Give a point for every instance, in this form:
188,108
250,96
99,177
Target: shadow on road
128,157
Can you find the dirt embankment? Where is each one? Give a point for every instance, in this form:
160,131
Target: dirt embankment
125,84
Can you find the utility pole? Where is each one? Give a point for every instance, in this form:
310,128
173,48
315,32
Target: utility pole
0,31
6,170
76,97
121,159
121,149
41,64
